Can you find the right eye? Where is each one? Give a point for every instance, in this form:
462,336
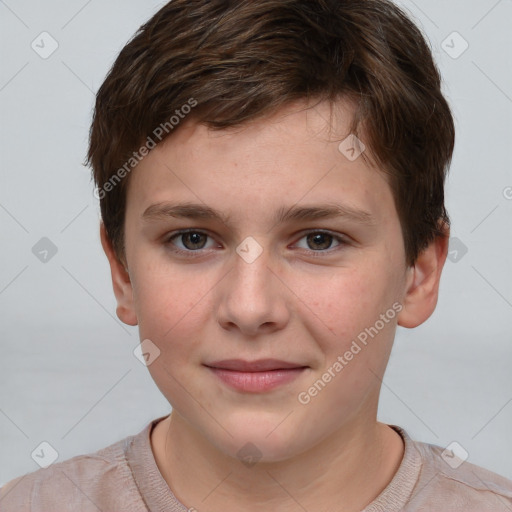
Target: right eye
191,241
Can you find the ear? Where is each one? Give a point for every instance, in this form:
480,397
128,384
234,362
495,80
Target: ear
120,282
423,278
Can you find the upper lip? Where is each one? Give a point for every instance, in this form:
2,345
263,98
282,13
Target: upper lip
260,365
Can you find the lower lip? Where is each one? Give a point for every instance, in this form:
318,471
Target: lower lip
257,382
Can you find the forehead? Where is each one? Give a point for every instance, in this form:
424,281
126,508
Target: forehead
290,157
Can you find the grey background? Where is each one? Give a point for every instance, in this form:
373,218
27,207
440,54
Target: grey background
68,374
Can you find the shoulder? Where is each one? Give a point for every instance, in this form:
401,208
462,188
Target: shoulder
97,481
447,482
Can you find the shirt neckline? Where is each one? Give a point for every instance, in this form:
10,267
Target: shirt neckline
157,495
397,493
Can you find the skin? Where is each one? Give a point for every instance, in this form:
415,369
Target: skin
328,454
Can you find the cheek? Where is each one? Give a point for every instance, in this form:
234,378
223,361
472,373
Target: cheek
346,299
170,306
349,305
171,310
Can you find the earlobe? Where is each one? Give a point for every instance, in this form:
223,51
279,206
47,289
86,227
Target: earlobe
422,283
120,281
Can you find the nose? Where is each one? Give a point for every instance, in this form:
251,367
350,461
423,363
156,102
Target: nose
252,298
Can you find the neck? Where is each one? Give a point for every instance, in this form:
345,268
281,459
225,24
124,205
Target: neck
346,471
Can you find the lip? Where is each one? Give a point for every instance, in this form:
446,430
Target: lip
259,365
255,376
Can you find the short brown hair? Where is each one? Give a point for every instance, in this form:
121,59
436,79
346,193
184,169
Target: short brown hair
242,60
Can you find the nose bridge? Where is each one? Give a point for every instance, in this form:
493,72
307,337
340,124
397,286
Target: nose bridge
252,277
251,298
251,266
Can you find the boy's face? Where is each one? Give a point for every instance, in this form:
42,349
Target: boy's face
304,300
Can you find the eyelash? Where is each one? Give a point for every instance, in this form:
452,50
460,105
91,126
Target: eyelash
197,253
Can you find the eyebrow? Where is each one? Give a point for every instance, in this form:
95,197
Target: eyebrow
164,210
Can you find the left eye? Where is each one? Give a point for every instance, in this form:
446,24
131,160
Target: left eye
319,240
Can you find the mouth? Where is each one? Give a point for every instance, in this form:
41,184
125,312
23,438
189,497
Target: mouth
256,376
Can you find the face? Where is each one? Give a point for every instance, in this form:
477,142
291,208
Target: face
293,259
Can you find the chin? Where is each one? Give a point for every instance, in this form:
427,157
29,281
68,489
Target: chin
261,440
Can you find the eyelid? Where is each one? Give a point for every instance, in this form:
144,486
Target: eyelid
338,236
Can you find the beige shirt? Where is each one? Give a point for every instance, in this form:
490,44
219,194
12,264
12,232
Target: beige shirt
124,477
